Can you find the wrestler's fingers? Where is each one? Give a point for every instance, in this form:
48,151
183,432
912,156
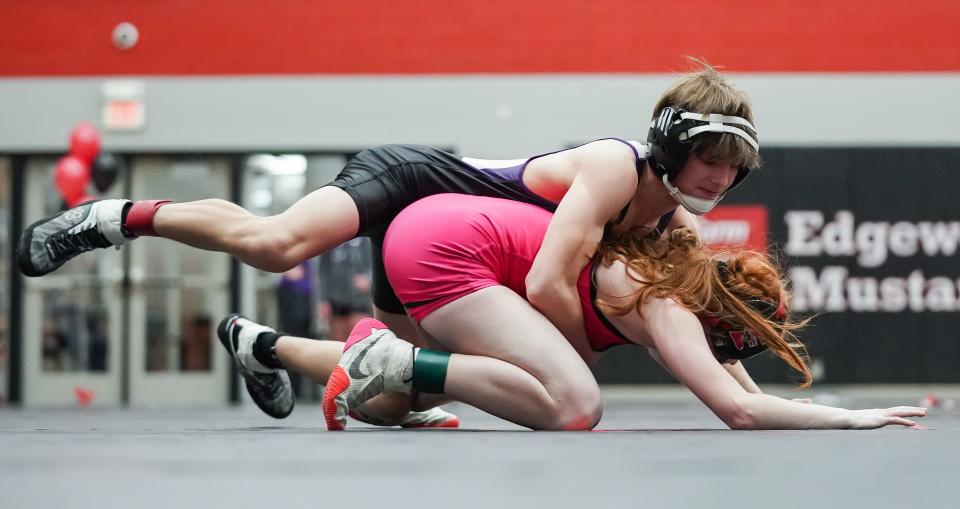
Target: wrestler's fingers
901,421
907,411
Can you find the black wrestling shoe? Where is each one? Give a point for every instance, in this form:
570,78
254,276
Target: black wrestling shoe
49,243
270,388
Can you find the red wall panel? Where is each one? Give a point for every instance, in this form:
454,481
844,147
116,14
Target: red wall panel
181,37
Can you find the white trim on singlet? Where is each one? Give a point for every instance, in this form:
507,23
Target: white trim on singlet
643,151
493,163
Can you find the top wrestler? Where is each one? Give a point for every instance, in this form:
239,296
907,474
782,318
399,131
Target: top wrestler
701,144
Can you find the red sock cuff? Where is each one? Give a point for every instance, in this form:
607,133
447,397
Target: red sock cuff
139,220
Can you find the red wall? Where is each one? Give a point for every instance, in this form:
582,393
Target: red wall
204,37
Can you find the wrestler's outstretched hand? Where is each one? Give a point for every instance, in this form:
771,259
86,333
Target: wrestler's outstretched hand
879,417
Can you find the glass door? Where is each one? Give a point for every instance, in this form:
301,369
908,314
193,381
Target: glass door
178,294
72,318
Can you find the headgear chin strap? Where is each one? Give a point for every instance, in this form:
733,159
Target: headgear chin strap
696,206
671,139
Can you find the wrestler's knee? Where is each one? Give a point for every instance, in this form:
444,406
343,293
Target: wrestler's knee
584,413
578,408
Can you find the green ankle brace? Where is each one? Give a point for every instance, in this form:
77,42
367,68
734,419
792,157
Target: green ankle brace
430,371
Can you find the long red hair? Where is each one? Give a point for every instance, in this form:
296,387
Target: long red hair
677,266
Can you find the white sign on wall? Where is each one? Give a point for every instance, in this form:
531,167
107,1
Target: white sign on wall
124,105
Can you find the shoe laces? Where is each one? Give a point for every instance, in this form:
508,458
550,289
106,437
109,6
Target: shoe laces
68,244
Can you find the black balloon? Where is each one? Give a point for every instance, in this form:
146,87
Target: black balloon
106,168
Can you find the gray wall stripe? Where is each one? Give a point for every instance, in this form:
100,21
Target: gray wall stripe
485,116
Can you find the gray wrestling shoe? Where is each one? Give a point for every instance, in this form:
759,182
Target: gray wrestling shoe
50,242
269,388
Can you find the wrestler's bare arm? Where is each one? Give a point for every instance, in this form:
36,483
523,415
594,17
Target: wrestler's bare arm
678,337
736,370
605,182
739,373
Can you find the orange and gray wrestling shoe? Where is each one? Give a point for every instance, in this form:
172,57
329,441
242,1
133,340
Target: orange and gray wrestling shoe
433,418
436,417
374,361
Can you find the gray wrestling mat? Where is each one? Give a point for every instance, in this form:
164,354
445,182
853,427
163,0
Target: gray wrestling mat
663,449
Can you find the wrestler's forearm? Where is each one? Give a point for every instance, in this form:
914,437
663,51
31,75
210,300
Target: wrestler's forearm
743,378
771,412
737,371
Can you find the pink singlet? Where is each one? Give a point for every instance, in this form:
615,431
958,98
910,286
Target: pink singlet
447,246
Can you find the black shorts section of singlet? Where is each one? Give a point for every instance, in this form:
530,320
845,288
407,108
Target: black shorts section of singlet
384,180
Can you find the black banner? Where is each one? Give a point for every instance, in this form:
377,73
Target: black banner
869,238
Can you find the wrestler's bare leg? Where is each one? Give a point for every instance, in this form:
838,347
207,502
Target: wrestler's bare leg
318,222
512,362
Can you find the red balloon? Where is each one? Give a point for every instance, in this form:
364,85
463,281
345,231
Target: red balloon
71,177
85,142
